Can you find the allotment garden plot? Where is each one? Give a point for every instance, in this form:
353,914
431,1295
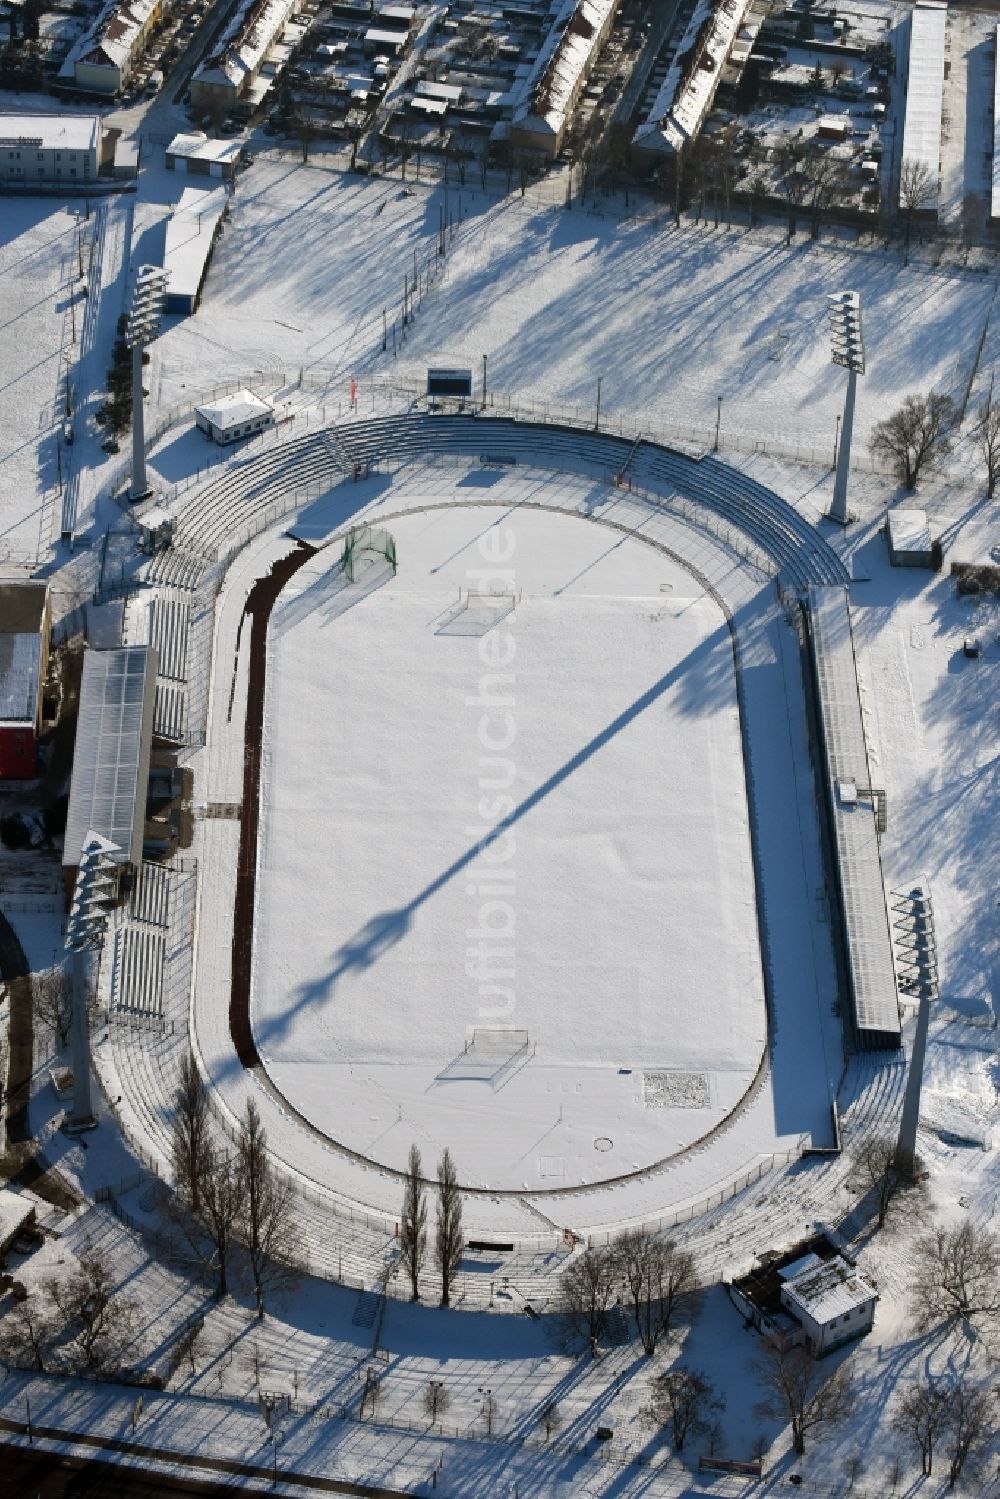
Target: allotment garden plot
505,896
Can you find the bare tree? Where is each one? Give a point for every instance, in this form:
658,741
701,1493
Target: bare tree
660,1281
686,1401
826,179
436,1400
189,1137
794,185
917,188
586,1295
920,1416
956,1276
266,1217
448,1242
413,1223
915,436
25,1334
970,1424
876,1172
853,1469
987,431
101,1322
550,1419
973,222
800,1390
50,1002
220,1201
305,130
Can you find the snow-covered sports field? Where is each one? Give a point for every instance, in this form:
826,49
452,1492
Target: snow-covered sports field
505,897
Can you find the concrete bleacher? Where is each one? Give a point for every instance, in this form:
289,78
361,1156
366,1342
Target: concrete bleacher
170,622
278,478
137,978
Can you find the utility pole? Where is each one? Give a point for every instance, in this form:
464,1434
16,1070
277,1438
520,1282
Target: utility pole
597,419
718,422
484,382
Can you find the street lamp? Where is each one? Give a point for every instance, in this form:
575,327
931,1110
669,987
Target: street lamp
95,887
148,297
847,348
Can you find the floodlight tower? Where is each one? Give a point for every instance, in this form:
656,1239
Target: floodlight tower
847,348
914,913
148,297
95,885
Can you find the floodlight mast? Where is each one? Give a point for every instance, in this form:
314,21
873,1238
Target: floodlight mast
848,349
143,325
95,885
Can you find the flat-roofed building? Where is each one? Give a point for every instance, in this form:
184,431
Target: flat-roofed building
25,624
50,148
921,153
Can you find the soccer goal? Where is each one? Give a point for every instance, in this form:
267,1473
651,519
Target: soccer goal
362,546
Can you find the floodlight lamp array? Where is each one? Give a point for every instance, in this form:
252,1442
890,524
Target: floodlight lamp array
147,305
846,336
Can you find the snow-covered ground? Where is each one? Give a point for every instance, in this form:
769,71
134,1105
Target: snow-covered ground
496,904
668,321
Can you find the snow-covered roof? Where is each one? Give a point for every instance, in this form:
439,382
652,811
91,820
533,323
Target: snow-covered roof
380,37
244,42
112,38
995,204
22,609
909,531
233,411
800,1266
546,90
200,147
190,236
925,89
53,132
16,1212
866,920
683,99
828,1291
114,730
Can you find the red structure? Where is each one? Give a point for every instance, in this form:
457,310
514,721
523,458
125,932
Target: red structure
25,626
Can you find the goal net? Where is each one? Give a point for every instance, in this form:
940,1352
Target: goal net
476,612
363,545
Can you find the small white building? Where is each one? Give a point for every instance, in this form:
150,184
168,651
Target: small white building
831,1300
242,414
50,148
201,156
909,538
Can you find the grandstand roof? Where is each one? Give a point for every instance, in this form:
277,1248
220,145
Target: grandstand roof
866,920
111,759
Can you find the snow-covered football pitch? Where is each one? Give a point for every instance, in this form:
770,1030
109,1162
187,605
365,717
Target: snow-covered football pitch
505,893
